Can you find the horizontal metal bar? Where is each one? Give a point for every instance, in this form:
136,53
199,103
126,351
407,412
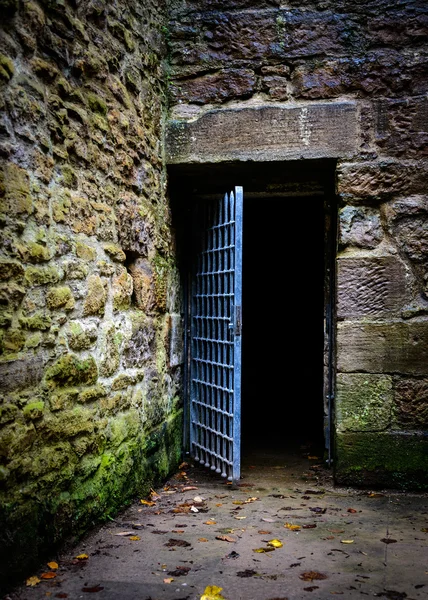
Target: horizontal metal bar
202,339
212,385
213,408
210,318
221,225
212,362
213,295
211,430
224,272
218,249
211,453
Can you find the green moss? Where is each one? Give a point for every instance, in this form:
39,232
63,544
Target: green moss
8,412
115,252
69,370
63,399
91,394
122,381
10,268
33,341
13,340
69,177
41,321
60,297
79,338
96,103
84,251
42,275
15,196
38,252
110,352
34,410
382,459
6,68
96,297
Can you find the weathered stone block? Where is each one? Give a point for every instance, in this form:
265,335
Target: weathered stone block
382,459
122,289
110,357
228,84
42,275
81,337
15,197
402,127
176,340
10,268
20,374
68,423
60,297
411,404
96,297
374,347
363,402
139,347
371,286
136,225
264,133
70,370
360,226
380,181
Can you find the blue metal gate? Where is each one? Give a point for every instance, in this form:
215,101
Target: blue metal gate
215,336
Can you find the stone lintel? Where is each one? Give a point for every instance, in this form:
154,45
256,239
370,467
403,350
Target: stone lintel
269,132
392,347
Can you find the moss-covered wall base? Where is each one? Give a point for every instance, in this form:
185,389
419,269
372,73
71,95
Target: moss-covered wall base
388,460
31,529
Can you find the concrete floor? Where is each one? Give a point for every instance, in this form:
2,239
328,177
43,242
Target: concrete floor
202,532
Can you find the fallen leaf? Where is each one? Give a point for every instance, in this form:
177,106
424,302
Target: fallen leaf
134,538
352,510
250,500
275,544
311,588
424,529
225,538
202,540
92,589
336,530
179,571
313,457
268,520
388,541
292,527
262,550
219,504
48,575
172,542
124,533
52,565
177,531
168,579
188,488
212,592
183,465
309,526
375,495
247,573
240,518
32,581
237,502
210,522
82,557
148,502
264,532
346,541
312,575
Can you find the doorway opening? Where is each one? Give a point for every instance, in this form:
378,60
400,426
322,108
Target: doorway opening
289,241
283,325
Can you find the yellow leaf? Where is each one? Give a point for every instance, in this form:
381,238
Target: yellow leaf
202,540
48,575
147,502
82,557
52,565
260,550
212,592
32,581
275,544
210,522
134,538
346,541
168,579
292,527
237,502
250,500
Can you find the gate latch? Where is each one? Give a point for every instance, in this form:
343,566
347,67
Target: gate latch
237,325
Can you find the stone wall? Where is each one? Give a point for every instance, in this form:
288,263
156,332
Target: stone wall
90,409
233,55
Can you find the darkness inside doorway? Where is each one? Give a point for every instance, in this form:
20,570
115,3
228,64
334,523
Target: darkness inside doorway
283,310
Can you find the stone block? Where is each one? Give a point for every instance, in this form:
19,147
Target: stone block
15,197
379,459
371,286
265,133
388,347
70,370
96,297
402,127
364,402
379,181
139,348
411,404
228,84
360,226
21,374
176,340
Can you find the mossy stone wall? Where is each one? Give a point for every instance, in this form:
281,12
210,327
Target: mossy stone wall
90,406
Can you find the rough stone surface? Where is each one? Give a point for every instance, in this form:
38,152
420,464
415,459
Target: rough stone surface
82,183
371,286
411,405
266,132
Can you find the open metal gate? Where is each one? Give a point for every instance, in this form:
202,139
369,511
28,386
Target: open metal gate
215,335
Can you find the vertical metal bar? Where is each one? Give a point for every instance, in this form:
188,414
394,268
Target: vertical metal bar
239,204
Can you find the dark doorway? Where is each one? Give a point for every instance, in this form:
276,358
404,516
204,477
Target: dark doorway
283,312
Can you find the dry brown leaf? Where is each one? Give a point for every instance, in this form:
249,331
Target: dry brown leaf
312,575
202,540
48,575
225,538
264,532
32,581
352,510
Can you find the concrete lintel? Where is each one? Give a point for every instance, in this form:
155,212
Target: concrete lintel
269,132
